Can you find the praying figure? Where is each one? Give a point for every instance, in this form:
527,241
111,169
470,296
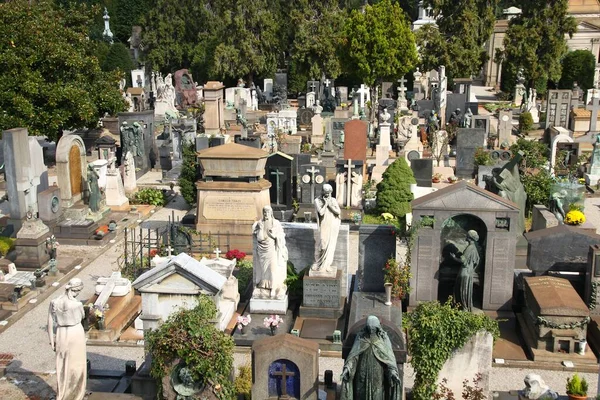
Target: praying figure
270,257
328,217
68,341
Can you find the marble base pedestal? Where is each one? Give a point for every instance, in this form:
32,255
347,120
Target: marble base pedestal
268,306
30,247
592,180
322,296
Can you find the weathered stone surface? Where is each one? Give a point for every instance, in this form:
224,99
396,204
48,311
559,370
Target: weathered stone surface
467,142
377,243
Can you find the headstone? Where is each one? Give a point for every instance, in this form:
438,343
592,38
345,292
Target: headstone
467,142
417,87
268,88
423,171
349,182
376,244
285,366
505,126
317,126
355,140
281,79
305,116
214,114
402,101
558,108
312,177
310,99
482,122
129,180
71,169
593,106
387,90
278,171
343,93
201,142
314,87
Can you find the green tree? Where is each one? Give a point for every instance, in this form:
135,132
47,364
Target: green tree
318,28
189,175
393,192
535,41
118,58
538,186
378,44
578,66
191,337
248,40
457,40
49,78
535,153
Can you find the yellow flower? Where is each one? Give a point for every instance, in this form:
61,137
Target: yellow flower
387,216
574,217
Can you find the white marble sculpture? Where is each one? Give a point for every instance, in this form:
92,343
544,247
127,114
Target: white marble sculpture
129,101
66,313
328,217
536,388
270,257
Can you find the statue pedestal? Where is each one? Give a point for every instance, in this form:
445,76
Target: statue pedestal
591,180
323,296
269,306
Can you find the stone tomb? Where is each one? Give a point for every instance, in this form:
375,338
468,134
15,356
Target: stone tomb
278,171
465,206
423,171
71,169
467,142
146,157
355,140
312,177
179,281
554,319
285,367
558,108
214,115
232,191
348,183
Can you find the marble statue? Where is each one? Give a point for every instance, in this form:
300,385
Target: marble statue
328,217
270,257
433,124
357,186
455,117
370,371
94,199
385,116
68,341
318,108
469,258
536,388
466,121
129,101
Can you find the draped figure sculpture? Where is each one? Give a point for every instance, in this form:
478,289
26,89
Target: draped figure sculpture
270,257
370,371
66,313
328,218
470,261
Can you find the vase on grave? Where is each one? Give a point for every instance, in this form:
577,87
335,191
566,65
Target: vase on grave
388,293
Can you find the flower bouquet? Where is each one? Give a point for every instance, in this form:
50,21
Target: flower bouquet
242,322
574,217
272,322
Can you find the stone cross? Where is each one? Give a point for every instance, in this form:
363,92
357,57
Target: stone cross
594,107
348,183
110,283
312,86
326,82
169,251
284,374
312,172
402,88
277,174
217,252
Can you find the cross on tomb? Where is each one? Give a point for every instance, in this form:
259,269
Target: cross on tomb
313,86
326,82
312,172
402,88
109,286
594,107
217,252
284,374
278,190
169,251
348,182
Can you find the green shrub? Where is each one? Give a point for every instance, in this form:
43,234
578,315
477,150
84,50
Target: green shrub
393,192
525,122
151,196
188,176
294,279
243,382
483,157
244,275
535,152
577,386
6,245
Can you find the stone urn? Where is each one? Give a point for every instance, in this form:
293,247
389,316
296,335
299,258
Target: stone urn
388,293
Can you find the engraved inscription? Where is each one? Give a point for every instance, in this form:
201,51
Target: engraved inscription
321,293
425,271
498,290
227,207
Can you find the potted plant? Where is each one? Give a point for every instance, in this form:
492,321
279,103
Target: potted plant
452,179
437,177
242,323
397,279
272,322
577,388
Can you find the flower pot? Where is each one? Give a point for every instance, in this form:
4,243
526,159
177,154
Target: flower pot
244,328
575,397
101,324
582,345
435,180
273,330
388,293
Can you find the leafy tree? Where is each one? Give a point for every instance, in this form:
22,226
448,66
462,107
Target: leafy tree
535,153
248,40
457,42
189,175
578,66
393,192
538,186
535,41
317,35
49,78
378,44
118,58
190,336
124,14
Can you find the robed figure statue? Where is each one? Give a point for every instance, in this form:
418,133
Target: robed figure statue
370,371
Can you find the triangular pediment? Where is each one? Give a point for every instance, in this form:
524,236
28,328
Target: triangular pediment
463,196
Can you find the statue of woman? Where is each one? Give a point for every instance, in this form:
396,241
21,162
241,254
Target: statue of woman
328,217
270,257
94,200
370,371
470,261
66,312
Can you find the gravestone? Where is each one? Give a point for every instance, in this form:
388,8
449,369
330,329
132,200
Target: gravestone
312,177
201,142
376,244
558,108
216,141
281,79
593,106
285,366
387,90
129,179
343,93
268,88
316,136
143,159
505,126
349,182
315,87
71,169
467,142
481,122
355,140
305,116
278,171
335,128
423,171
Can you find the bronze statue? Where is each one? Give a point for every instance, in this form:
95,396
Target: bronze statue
470,261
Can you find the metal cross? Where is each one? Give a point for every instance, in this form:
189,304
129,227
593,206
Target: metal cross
284,374
312,172
217,252
278,191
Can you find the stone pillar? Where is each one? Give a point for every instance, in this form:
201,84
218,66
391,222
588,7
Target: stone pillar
214,110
